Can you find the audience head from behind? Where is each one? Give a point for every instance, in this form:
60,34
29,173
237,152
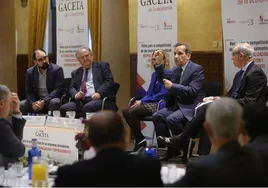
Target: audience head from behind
106,130
9,102
182,53
255,116
242,54
41,59
85,57
223,121
159,57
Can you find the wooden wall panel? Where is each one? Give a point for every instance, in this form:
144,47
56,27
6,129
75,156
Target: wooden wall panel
22,65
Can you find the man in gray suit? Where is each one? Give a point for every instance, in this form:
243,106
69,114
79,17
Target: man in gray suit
11,147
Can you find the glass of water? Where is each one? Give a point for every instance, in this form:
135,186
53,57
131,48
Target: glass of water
71,114
56,113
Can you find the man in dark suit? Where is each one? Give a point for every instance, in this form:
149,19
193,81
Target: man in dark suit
256,130
44,85
11,147
185,87
111,166
90,84
231,165
249,86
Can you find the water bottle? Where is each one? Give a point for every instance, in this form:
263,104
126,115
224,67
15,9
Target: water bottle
149,150
34,152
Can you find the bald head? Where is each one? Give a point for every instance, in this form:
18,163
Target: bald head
105,127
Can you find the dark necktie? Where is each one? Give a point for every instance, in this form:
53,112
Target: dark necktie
84,82
237,83
179,75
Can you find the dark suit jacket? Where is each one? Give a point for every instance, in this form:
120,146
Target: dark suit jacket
260,144
102,79
232,165
55,83
111,167
189,92
156,90
252,87
11,146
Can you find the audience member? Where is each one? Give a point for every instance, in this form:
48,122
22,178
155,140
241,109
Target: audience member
231,165
111,166
256,130
44,85
149,103
185,87
90,84
249,86
11,147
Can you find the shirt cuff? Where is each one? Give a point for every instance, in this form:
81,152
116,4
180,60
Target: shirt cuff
19,116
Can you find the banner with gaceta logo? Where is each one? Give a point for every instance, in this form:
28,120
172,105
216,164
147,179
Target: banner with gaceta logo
72,32
157,29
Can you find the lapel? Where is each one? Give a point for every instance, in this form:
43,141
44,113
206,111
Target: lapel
245,75
35,76
79,77
186,72
49,76
95,71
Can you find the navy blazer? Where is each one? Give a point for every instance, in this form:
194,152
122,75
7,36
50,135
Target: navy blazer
156,90
189,92
232,165
252,86
102,79
111,167
55,83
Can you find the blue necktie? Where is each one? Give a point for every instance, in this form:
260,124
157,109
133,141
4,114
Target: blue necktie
237,84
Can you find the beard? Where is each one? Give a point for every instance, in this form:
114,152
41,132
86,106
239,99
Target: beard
44,66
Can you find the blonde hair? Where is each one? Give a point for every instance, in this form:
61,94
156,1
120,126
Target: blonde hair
165,58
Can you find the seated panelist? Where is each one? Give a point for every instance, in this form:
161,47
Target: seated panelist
44,85
148,104
90,83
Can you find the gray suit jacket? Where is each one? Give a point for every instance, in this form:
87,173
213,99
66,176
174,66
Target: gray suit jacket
11,146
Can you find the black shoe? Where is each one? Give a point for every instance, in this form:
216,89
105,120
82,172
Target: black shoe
140,145
165,140
169,154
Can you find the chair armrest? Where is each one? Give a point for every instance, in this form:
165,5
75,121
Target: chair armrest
159,103
105,99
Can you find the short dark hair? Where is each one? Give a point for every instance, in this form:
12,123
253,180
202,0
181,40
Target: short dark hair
256,121
105,127
34,55
187,47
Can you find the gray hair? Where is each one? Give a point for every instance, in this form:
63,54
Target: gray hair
87,48
4,92
245,48
224,117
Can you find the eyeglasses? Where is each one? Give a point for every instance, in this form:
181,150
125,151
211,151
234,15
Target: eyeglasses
42,59
235,53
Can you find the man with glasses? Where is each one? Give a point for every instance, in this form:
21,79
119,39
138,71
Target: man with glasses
249,85
90,84
44,85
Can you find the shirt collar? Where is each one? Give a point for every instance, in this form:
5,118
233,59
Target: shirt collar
184,66
38,69
246,66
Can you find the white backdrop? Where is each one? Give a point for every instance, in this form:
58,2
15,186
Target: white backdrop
244,21
72,32
157,29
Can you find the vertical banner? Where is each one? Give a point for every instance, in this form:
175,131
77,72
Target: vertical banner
72,32
157,29
244,21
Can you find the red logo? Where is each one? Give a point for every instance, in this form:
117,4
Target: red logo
261,18
230,21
